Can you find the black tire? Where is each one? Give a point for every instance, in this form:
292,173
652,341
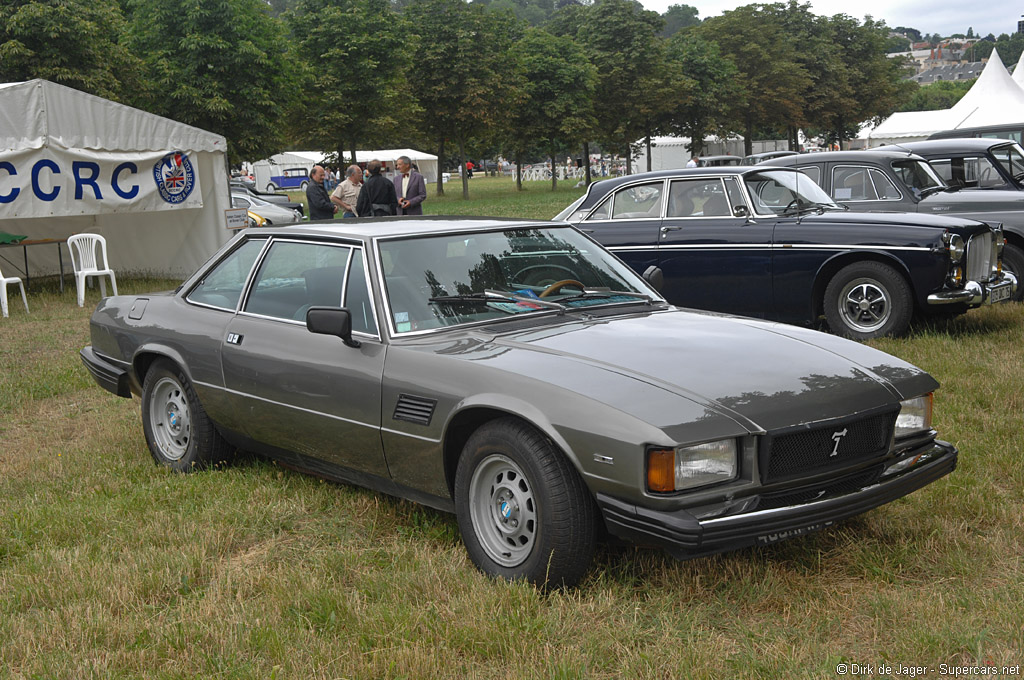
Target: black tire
868,300
303,186
179,433
523,510
271,188
1013,262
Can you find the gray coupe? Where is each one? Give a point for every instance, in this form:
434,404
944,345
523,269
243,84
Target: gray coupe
518,374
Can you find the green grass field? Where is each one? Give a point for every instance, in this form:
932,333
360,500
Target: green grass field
113,567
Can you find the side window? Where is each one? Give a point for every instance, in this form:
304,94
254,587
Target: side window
296,276
638,202
239,202
812,171
884,188
943,167
735,195
852,184
357,296
698,198
222,285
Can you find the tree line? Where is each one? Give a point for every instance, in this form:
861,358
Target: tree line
461,79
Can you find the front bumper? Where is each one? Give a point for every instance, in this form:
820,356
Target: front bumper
684,536
110,377
974,293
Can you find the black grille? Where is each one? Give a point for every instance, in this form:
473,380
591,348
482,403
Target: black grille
837,444
848,484
412,409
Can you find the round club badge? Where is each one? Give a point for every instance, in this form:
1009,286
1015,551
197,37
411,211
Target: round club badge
174,177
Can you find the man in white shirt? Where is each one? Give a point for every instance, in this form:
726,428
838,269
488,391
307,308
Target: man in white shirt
346,194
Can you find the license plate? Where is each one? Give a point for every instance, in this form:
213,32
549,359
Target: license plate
999,294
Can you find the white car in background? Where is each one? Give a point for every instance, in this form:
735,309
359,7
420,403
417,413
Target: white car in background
272,213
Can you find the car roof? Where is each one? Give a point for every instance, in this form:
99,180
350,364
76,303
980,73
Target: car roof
888,152
955,144
387,227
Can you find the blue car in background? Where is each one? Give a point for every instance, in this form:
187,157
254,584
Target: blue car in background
768,242
293,178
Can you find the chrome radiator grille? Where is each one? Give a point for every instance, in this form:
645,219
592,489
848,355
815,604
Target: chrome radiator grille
980,257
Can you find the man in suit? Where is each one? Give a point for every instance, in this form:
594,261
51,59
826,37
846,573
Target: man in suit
377,197
410,188
320,206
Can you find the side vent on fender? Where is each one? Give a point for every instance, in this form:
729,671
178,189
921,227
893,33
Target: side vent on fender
412,409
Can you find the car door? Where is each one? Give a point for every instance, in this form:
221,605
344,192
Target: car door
865,188
710,257
299,391
627,223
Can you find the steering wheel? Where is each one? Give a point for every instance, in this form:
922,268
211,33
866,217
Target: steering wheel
557,286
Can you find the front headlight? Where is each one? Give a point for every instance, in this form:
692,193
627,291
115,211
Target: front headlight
955,245
915,416
691,466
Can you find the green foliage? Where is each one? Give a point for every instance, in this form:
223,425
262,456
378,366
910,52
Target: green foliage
74,43
352,56
678,17
1009,47
912,33
895,43
215,64
713,90
937,96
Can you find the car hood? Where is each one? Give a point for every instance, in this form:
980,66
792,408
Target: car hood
762,375
972,201
852,220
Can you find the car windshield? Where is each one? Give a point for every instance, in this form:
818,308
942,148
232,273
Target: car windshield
782,192
453,279
1011,157
918,177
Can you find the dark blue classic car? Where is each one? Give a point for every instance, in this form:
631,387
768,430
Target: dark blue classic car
768,242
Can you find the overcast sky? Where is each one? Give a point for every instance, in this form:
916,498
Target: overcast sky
928,16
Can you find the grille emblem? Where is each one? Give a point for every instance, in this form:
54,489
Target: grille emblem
837,437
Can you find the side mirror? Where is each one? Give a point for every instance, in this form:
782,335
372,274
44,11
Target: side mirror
654,276
740,211
335,321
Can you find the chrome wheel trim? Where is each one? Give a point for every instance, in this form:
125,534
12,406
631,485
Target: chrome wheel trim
503,510
864,305
169,418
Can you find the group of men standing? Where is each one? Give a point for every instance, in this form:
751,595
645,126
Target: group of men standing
377,196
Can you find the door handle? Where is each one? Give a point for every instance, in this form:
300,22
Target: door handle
665,230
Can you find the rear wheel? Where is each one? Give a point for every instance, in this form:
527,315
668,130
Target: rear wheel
1013,262
179,433
868,300
271,188
304,185
523,510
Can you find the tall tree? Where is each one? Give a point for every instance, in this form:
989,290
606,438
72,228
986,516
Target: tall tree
769,72
713,92
678,17
78,44
461,76
215,64
354,55
556,109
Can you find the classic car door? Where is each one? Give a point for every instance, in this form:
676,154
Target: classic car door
865,188
712,259
627,223
308,393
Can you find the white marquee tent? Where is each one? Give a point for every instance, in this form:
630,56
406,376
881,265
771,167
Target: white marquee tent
278,164
71,162
996,98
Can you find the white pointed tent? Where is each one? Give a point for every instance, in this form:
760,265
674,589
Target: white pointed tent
996,98
71,162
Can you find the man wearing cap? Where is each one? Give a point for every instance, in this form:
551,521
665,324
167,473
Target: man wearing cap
410,187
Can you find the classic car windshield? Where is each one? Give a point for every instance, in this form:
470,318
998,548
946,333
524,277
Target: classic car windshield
1011,157
918,176
776,191
452,279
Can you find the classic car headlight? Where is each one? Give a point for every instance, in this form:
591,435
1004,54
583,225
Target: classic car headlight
691,466
915,416
955,246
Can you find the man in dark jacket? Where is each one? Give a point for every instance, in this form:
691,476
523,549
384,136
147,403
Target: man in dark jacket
378,197
320,206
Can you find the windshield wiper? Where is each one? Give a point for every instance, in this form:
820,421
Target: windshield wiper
926,192
493,296
802,208
593,294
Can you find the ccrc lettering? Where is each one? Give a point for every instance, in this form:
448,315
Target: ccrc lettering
86,175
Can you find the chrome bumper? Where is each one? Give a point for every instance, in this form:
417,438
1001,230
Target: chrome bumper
975,293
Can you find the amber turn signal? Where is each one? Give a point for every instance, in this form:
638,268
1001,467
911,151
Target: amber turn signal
661,470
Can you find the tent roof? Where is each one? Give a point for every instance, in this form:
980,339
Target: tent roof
361,156
38,113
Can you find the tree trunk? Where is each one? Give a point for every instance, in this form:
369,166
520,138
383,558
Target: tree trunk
353,150
629,160
440,167
554,173
586,163
519,170
464,172
647,140
748,137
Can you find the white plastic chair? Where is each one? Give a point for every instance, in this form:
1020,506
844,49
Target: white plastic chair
85,262
4,280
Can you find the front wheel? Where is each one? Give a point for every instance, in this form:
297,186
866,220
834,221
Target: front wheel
303,186
179,433
1013,262
868,300
523,510
271,188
